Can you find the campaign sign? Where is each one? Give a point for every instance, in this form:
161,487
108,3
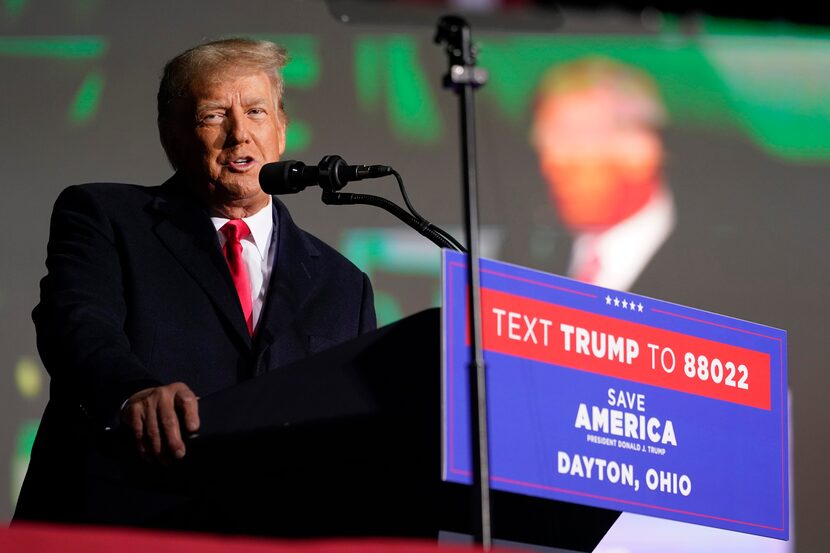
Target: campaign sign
620,401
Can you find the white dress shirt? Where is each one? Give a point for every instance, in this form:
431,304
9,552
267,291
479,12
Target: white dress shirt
257,253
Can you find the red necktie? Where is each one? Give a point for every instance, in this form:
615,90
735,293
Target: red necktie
234,231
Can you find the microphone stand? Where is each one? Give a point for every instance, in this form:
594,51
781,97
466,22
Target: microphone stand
463,78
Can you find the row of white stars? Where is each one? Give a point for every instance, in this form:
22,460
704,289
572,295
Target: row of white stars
624,303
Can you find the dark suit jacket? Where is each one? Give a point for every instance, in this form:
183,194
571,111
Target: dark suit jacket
138,294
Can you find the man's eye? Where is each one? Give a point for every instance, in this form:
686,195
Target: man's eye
256,111
212,118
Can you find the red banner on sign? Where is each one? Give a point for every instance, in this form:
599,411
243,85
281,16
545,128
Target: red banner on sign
584,341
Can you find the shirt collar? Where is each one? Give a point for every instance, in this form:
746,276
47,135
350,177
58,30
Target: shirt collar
261,224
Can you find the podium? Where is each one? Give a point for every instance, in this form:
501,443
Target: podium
348,443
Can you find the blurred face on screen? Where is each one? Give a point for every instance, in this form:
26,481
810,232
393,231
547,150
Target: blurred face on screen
601,165
234,127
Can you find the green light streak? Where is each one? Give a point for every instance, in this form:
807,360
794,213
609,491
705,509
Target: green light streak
20,457
303,67
87,99
779,90
388,68
26,438
368,71
410,103
692,90
68,48
297,137
772,86
380,249
364,248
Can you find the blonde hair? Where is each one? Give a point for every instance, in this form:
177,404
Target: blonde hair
643,104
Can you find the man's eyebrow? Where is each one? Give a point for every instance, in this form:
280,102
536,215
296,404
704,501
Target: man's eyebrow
256,100
210,104
219,104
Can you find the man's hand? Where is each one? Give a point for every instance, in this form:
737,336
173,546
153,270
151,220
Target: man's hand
153,417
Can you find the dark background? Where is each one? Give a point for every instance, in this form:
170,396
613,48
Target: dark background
748,148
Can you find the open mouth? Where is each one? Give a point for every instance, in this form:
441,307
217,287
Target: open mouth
242,163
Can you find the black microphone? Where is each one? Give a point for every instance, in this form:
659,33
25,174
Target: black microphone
331,174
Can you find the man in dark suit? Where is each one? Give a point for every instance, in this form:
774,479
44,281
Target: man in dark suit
156,296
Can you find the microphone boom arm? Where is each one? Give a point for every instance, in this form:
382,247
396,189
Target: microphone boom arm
424,227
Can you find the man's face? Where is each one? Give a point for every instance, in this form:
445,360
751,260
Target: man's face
599,169
236,130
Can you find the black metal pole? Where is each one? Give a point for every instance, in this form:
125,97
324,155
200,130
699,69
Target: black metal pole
463,78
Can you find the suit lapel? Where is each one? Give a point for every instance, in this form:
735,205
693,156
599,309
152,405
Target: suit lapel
294,277
189,235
